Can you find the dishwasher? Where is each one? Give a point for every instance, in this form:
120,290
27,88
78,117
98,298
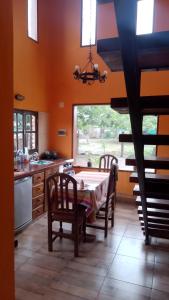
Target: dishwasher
22,203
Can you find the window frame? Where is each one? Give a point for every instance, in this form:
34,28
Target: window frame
24,131
81,26
37,24
124,168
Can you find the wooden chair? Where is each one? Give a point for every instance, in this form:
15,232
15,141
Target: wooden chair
106,210
63,207
106,162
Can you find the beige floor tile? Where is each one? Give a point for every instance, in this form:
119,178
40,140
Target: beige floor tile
48,262
21,294
92,260
74,290
159,295
132,270
119,290
162,256
161,277
118,267
59,295
134,231
79,284
20,260
110,244
136,248
81,279
102,271
42,272
33,283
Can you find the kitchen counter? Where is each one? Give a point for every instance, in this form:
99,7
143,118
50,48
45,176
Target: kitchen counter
28,169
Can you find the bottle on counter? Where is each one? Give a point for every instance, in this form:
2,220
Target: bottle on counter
26,155
89,163
81,184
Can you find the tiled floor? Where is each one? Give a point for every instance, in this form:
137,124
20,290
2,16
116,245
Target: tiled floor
120,267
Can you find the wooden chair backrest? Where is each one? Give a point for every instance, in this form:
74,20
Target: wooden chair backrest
62,193
106,162
111,185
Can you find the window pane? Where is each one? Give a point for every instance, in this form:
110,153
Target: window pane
88,22
20,141
14,122
20,122
149,125
145,12
27,127
33,140
28,122
32,19
15,142
95,136
33,123
28,140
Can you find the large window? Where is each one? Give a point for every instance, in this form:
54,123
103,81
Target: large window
25,130
145,13
32,19
88,22
96,132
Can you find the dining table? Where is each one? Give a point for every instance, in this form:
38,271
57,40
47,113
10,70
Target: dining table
93,192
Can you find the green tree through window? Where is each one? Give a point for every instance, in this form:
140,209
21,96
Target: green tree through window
98,129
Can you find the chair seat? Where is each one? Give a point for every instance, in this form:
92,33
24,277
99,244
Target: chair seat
69,216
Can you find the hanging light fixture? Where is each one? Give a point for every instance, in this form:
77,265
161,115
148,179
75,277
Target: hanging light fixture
90,72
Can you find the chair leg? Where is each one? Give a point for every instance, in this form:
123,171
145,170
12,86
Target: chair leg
106,225
50,246
76,241
84,229
60,230
112,212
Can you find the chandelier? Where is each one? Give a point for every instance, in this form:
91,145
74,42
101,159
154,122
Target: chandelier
90,72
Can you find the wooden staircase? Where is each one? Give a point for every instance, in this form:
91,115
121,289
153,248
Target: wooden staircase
135,54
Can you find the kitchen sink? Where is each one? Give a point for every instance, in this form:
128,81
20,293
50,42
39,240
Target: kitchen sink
41,162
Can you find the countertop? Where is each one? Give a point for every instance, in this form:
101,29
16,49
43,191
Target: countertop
28,169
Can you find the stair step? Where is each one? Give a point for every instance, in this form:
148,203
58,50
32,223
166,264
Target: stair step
153,51
154,203
163,213
152,162
159,233
147,139
158,191
150,105
153,219
154,225
150,177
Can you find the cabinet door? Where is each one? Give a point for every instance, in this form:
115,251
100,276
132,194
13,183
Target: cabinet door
37,190
38,178
37,201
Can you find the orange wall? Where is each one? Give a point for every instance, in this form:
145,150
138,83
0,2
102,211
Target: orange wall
6,155
66,53
43,71
31,65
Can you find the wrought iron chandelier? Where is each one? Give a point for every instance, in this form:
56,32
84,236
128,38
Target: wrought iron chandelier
90,72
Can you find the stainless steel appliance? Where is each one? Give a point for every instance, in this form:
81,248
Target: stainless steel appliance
22,202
